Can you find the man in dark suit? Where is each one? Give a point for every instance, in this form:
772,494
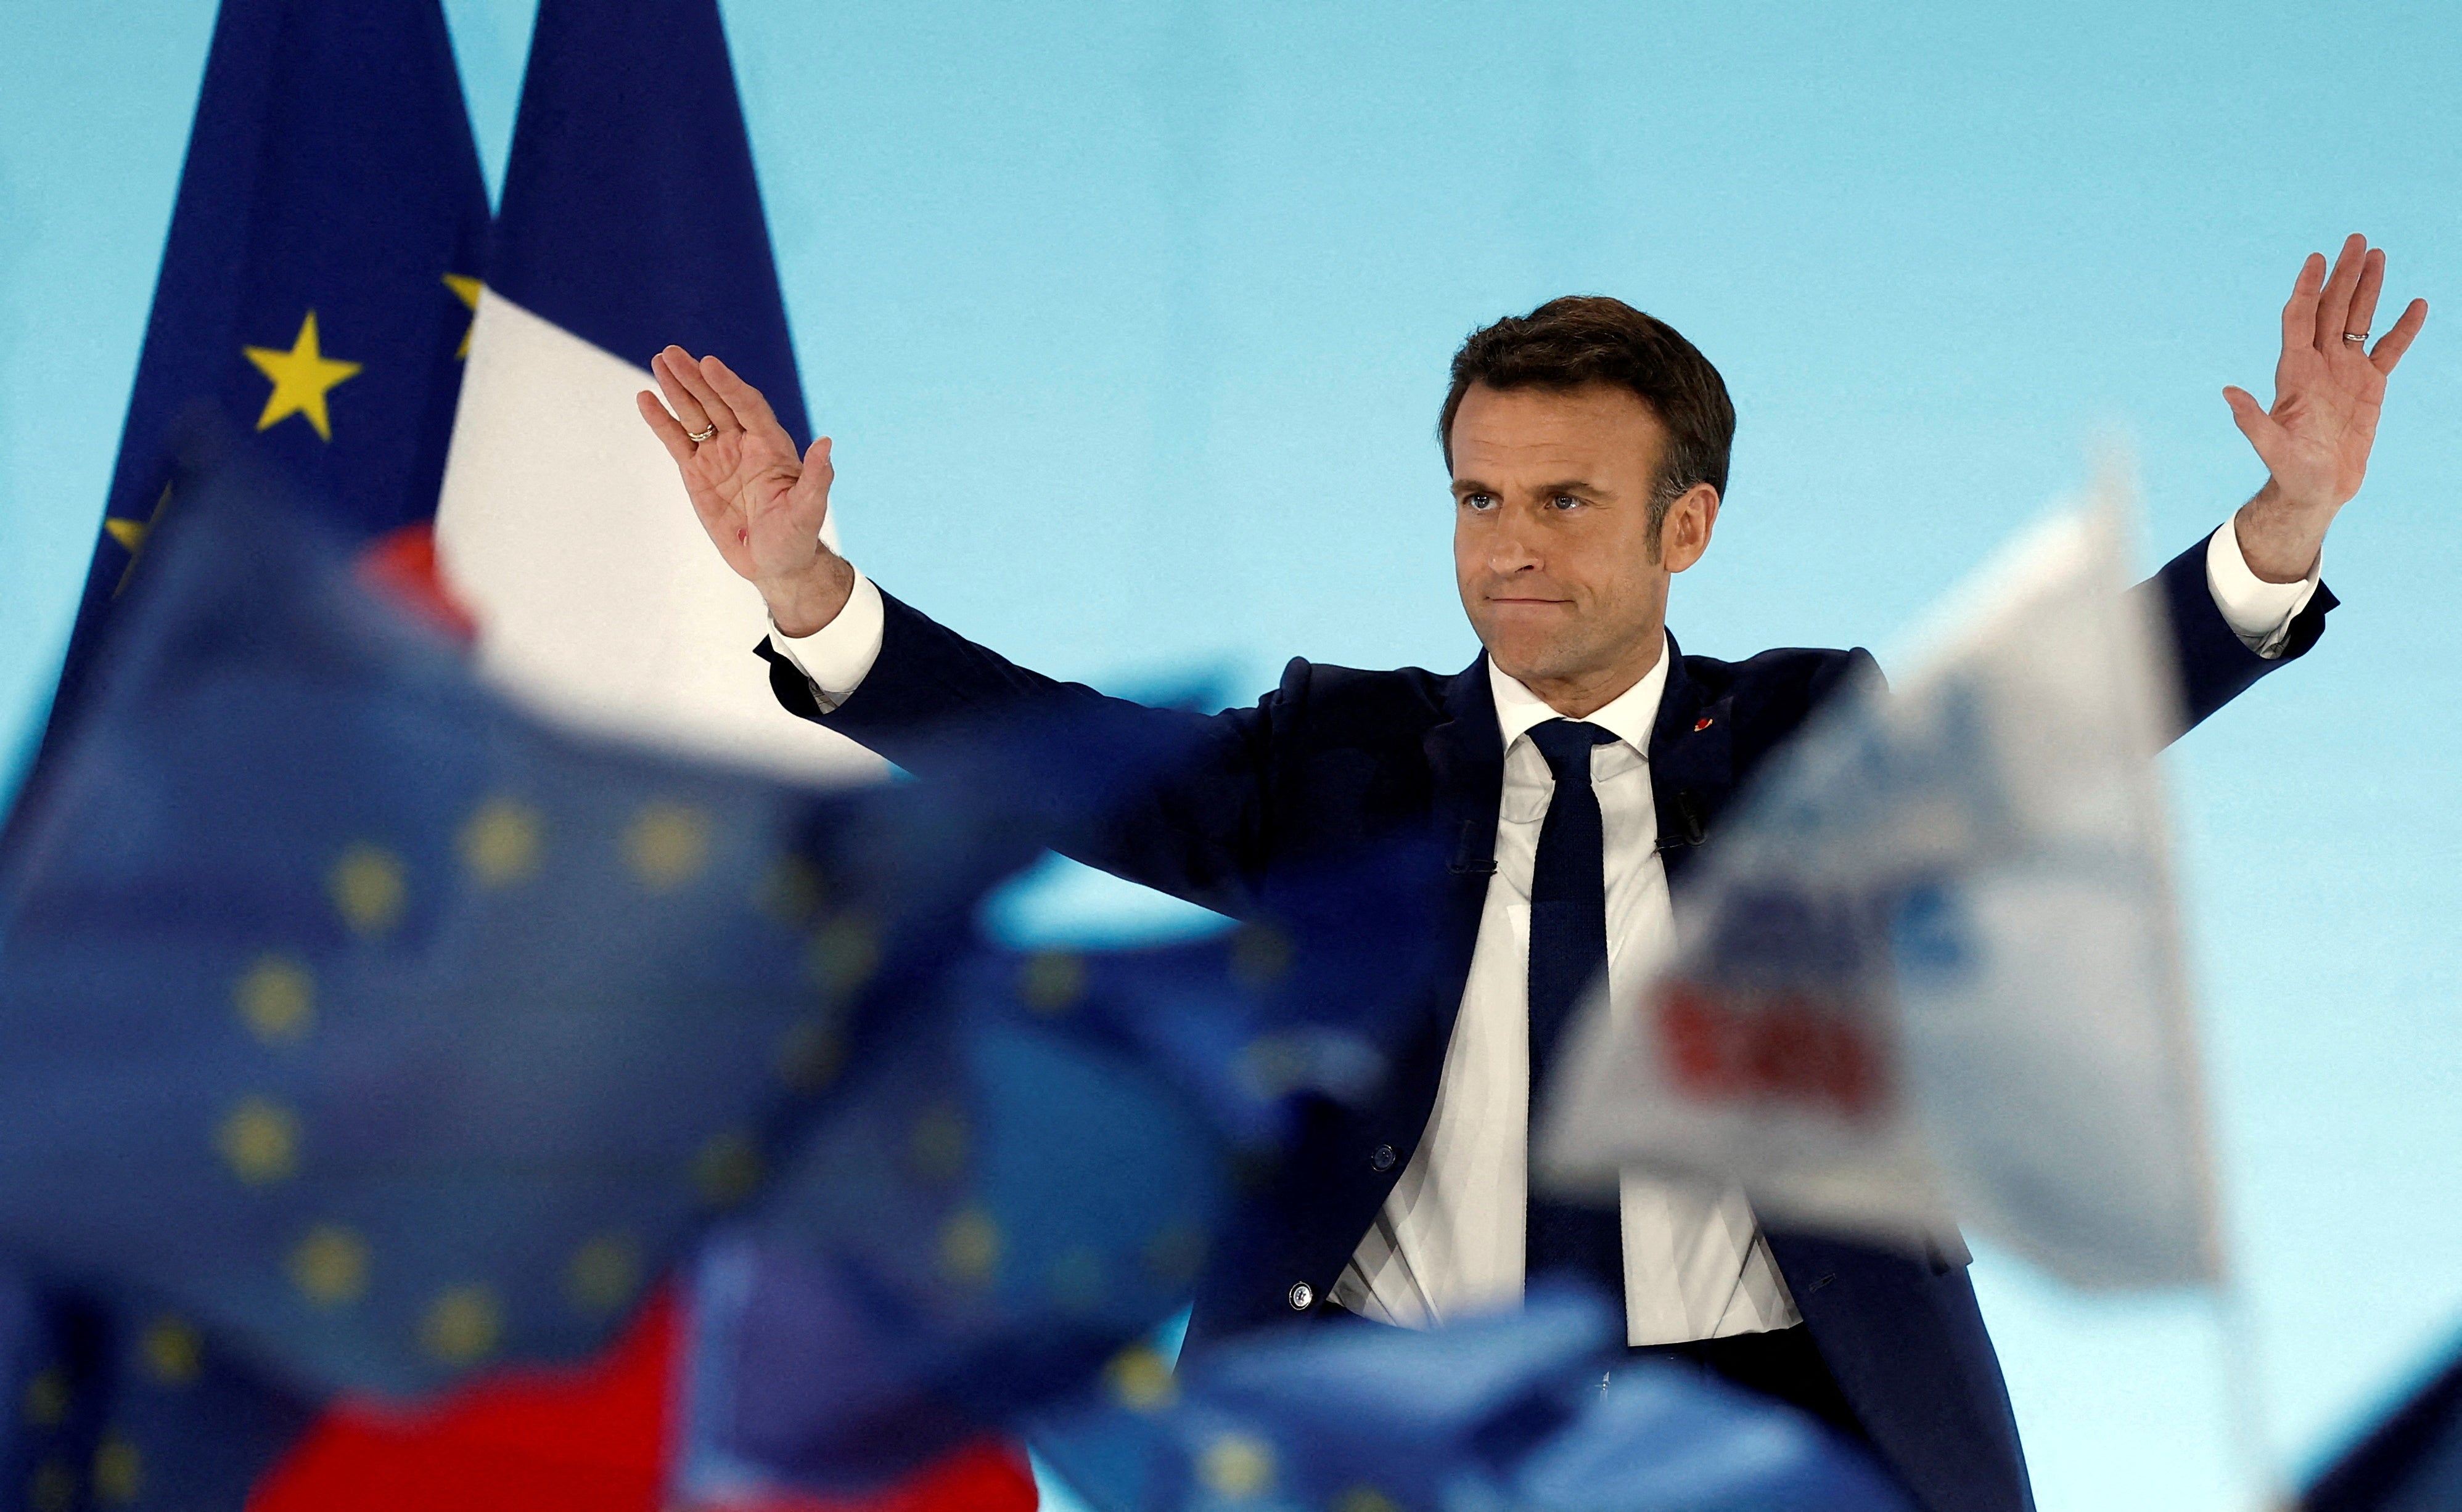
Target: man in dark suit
1570,774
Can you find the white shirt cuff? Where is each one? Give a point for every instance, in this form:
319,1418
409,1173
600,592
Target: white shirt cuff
837,658
2257,611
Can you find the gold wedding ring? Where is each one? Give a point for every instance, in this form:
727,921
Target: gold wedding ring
701,436
2360,336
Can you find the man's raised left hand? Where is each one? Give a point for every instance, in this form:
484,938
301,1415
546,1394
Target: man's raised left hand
2328,388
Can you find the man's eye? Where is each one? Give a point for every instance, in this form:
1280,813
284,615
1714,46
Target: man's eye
1564,502
1479,501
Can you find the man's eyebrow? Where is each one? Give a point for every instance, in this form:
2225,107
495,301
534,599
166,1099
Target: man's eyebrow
1463,486
1576,485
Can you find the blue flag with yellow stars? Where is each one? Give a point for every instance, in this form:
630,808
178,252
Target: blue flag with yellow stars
387,1034
1533,1410
318,281
130,1407
1030,1177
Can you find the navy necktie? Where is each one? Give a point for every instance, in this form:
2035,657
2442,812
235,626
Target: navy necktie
1568,951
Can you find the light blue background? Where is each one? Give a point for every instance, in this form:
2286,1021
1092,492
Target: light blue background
1132,321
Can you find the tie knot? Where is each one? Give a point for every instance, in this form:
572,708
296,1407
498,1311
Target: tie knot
1567,744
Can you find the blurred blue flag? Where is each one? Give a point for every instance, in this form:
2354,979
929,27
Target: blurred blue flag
2411,1461
1030,1179
1535,1409
387,1034
318,285
131,1407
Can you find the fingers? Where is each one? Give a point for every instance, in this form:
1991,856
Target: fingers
2254,422
2334,301
687,374
2363,298
671,435
2398,340
2299,314
810,499
668,368
740,397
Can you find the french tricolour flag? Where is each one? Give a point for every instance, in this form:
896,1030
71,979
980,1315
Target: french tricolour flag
631,218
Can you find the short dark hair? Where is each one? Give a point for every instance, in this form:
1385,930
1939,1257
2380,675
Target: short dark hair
1583,339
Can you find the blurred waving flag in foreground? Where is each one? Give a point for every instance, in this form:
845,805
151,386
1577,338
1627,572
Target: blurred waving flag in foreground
388,1030
1029,1179
357,1034
1933,974
1535,1409
353,1021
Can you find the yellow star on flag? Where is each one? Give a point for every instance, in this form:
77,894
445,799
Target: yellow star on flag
466,289
301,377
131,535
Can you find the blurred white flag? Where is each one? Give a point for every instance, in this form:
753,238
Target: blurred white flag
1929,971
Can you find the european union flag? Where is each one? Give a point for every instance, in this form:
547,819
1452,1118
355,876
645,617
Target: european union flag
130,1407
994,1207
1530,1410
318,284
386,1033
1027,1175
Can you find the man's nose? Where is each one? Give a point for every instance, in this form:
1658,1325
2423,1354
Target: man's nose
1511,549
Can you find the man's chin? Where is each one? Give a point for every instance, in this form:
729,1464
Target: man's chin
1523,664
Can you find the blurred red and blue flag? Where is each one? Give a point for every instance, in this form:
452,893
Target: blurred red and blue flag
371,1039
315,296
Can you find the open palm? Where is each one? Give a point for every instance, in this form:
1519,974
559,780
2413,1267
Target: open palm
762,504
2328,385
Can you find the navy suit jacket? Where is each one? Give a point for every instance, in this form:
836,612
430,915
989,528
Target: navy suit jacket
1336,759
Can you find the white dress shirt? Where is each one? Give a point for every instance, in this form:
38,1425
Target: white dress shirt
1448,1241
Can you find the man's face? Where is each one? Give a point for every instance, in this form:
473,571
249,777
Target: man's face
1552,546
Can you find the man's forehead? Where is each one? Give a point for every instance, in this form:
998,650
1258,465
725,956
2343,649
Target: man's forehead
1518,430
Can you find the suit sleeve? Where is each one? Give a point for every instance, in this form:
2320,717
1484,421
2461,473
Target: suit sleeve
2214,665
1197,832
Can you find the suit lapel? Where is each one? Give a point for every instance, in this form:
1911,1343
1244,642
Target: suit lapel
1466,766
1692,764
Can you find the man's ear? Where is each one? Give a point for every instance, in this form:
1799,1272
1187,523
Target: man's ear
1684,535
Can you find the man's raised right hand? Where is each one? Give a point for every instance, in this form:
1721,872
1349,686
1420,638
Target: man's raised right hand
762,506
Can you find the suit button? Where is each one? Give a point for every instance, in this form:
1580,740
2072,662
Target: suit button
1382,1160
1303,1296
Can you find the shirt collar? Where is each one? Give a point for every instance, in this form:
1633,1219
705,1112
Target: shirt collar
1627,717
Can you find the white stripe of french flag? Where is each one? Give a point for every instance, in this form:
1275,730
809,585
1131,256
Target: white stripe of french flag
631,218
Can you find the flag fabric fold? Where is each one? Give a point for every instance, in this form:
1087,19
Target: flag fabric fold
1931,973
1030,1177
1537,1408
121,1403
